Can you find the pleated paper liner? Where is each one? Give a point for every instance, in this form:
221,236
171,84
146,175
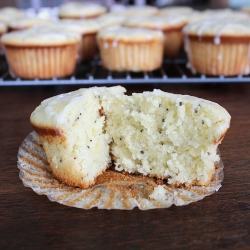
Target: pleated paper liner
113,190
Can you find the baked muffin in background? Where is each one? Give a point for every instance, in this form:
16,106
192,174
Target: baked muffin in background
27,22
80,10
218,46
111,19
145,10
10,13
171,26
88,29
175,10
157,134
41,52
130,49
3,30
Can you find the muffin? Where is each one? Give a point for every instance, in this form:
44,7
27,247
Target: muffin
129,49
171,26
10,13
175,10
3,29
26,22
156,134
78,10
139,11
41,52
71,129
87,29
167,136
218,46
111,19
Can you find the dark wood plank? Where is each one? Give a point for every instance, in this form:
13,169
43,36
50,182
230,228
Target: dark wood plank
220,221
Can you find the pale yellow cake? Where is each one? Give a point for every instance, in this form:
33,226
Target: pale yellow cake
71,128
157,134
167,136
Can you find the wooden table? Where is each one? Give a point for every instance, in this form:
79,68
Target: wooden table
220,221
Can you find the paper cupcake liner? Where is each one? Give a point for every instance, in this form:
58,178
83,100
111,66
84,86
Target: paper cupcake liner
173,43
113,190
120,56
218,59
88,47
42,62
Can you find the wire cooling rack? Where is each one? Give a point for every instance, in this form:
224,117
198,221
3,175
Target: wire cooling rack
173,71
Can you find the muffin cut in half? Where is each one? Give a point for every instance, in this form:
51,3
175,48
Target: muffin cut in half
71,129
167,136
158,134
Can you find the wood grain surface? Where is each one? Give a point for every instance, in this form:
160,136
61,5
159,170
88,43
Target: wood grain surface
220,221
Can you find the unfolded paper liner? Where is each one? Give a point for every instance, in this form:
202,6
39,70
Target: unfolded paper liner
114,190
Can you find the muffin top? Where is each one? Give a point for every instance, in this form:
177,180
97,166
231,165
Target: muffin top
130,34
27,22
9,13
175,10
156,22
40,36
3,27
111,19
139,11
219,27
80,10
81,26
225,13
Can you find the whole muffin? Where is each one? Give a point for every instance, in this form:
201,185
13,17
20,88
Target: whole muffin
130,49
171,26
175,10
10,13
218,46
26,22
79,10
145,10
41,52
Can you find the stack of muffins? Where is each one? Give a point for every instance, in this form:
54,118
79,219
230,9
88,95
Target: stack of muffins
217,42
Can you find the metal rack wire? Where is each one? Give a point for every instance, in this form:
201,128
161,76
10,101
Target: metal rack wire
173,71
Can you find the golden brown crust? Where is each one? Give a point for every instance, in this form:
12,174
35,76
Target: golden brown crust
110,41
80,17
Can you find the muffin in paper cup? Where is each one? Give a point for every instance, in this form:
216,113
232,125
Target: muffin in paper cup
78,10
113,190
130,49
41,52
171,26
218,46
